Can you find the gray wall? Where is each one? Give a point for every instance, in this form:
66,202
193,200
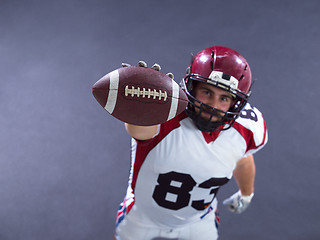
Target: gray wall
64,161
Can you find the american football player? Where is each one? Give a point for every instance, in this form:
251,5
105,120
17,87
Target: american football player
178,167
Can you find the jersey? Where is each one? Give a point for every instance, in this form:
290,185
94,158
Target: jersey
175,176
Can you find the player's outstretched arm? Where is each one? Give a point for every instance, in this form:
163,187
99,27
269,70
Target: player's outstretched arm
141,132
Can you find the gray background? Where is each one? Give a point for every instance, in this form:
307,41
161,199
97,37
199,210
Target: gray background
64,161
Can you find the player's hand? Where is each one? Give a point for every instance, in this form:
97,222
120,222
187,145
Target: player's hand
155,66
238,203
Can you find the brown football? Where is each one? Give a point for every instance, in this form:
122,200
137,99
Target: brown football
140,95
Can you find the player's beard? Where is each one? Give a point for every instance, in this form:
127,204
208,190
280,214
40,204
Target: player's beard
208,114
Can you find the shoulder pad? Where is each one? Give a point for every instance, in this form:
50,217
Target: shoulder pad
252,127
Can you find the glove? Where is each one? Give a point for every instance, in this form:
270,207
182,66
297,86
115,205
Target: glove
238,203
154,66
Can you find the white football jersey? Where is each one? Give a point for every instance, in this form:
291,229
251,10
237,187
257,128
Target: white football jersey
175,175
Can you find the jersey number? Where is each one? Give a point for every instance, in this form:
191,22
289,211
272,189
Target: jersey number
178,186
249,114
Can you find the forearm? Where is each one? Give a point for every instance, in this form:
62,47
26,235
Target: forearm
244,175
141,132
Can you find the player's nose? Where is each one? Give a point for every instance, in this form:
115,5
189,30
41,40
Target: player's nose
213,102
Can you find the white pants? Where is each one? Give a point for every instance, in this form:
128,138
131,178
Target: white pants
206,229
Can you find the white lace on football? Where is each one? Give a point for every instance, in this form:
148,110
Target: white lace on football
161,95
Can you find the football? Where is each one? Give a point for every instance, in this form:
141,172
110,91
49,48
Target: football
140,95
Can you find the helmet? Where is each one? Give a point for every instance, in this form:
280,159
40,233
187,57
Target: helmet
226,69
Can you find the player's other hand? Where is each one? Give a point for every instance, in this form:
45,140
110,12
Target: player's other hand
238,203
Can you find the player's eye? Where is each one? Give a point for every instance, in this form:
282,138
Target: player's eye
205,92
225,99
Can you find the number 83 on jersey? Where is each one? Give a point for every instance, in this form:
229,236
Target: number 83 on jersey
177,190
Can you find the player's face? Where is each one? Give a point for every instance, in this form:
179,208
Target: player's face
214,97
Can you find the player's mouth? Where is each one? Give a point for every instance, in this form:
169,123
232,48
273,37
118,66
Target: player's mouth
211,117
208,113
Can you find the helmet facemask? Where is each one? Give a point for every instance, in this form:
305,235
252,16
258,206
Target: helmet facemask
195,107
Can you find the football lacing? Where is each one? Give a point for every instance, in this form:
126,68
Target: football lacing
145,93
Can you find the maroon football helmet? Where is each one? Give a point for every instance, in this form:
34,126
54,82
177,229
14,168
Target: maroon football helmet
224,68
